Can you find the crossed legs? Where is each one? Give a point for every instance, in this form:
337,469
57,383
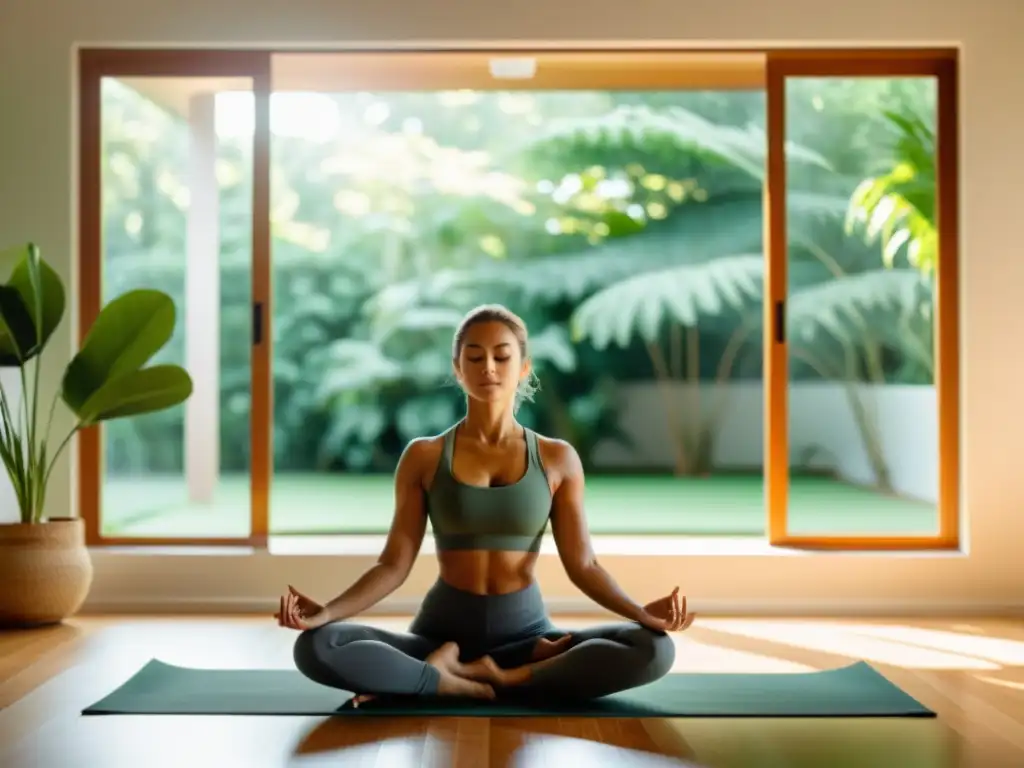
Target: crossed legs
591,663
368,660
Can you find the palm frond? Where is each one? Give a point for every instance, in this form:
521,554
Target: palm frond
640,133
875,303
897,209
553,347
696,233
885,305
415,320
351,365
644,304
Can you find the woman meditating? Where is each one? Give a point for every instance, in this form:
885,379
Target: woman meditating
488,486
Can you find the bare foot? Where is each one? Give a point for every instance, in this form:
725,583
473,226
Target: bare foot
362,698
452,683
546,649
485,669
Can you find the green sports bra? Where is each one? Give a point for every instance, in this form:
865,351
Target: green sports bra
504,517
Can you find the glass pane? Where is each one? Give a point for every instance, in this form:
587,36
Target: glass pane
624,227
177,215
863,414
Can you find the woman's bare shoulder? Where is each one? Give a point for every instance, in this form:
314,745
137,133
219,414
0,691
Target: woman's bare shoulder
421,456
558,455
425,447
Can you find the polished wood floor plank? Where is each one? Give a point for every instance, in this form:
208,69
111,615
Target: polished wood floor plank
970,671
46,653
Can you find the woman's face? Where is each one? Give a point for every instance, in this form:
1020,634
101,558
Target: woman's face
490,364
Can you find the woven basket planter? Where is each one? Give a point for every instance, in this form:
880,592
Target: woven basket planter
45,571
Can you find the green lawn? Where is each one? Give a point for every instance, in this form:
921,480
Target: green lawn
723,505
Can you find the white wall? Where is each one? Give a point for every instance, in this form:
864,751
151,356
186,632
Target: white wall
10,379
820,415
37,200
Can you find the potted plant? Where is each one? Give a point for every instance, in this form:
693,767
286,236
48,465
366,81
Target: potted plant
45,567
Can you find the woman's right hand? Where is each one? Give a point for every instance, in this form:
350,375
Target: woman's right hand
667,614
300,612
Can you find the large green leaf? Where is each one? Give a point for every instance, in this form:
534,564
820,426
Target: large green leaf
644,304
41,291
136,392
17,332
128,332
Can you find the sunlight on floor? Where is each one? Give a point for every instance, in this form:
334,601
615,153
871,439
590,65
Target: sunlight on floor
970,629
994,649
566,751
1011,684
845,641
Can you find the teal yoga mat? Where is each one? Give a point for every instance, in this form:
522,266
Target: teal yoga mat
853,691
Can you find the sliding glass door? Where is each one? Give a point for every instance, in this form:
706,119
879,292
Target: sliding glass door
863,271
173,197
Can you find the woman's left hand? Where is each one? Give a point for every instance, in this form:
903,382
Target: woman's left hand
300,612
667,614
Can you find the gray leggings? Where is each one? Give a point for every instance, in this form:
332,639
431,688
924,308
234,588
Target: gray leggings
599,661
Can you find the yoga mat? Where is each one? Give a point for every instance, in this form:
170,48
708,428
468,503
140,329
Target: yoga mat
853,691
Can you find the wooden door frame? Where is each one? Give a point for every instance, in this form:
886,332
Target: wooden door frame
93,66
943,66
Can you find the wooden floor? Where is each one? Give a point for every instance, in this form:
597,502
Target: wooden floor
971,672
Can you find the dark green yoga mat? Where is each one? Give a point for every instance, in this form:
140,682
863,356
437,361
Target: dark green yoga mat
853,691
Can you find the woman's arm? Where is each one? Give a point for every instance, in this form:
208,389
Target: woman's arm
404,538
572,537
